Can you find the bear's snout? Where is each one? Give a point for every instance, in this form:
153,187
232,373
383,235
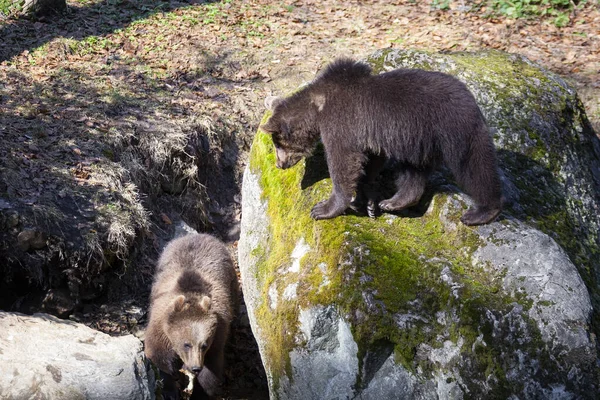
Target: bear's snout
196,369
285,160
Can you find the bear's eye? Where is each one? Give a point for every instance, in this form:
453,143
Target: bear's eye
187,346
204,346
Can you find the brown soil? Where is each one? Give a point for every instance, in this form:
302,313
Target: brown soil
120,118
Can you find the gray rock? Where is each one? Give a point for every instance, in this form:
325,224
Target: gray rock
43,357
182,229
532,264
423,307
327,366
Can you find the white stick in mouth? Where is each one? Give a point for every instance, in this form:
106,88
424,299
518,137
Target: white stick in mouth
187,392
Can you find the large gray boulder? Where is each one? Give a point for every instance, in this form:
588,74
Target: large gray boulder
419,306
43,357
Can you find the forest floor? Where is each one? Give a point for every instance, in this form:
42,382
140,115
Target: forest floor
77,88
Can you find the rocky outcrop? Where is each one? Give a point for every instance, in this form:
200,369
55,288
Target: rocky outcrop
418,305
43,357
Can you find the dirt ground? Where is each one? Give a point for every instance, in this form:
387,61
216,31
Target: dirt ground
119,118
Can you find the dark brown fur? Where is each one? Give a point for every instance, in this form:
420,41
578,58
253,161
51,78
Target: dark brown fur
192,304
420,119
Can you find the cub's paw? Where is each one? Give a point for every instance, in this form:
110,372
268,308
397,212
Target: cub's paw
210,383
372,209
361,207
479,216
397,204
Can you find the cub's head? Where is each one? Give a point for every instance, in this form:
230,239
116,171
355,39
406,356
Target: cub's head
292,127
191,328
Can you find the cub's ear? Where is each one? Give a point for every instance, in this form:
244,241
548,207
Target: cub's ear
179,304
270,127
273,101
205,303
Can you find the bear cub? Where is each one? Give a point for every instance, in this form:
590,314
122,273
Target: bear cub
192,303
417,119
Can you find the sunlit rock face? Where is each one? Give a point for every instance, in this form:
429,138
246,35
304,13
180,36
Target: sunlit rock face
44,357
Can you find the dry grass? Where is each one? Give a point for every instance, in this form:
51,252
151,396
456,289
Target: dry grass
121,117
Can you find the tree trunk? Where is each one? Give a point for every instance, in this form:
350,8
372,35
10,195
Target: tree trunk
36,8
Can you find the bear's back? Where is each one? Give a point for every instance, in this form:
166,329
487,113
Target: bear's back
409,93
196,252
412,115
196,264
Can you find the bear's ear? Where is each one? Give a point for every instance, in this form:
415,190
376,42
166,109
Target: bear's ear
205,303
273,101
179,304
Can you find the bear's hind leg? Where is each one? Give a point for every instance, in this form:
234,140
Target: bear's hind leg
410,186
479,215
479,178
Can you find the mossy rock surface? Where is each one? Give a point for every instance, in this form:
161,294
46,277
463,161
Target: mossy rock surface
548,151
418,305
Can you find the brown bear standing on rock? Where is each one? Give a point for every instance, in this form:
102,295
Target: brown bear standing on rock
418,119
194,295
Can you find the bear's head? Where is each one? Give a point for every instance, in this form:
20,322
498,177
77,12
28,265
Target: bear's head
292,128
191,328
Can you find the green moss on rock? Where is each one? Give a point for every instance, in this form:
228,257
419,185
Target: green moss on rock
387,260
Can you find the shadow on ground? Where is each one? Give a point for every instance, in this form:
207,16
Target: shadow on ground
101,168
107,16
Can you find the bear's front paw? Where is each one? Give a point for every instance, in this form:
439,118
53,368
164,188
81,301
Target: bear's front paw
319,211
325,210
